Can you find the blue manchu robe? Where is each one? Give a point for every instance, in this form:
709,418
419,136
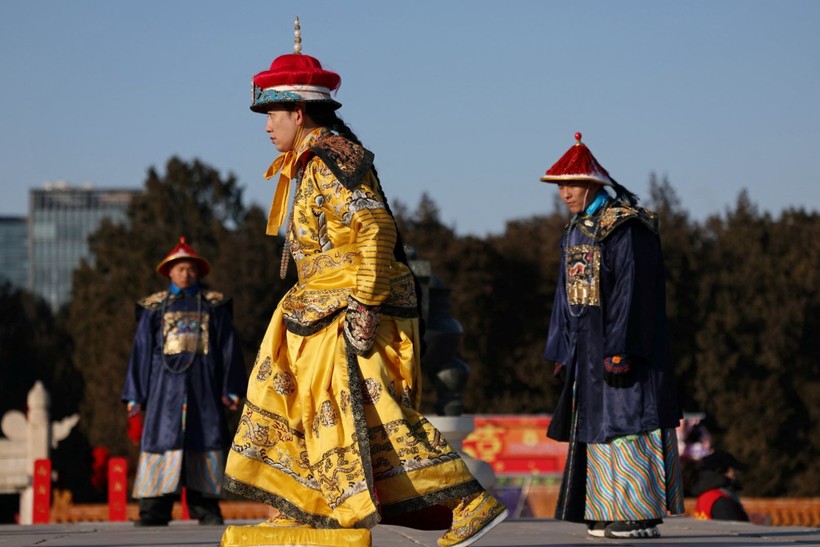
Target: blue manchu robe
611,301
185,358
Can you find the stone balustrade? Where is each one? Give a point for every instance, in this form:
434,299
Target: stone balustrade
29,437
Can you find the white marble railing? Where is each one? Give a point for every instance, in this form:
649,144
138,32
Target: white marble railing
29,437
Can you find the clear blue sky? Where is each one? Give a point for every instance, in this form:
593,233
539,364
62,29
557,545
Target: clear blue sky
468,101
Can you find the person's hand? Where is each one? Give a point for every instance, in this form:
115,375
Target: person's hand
133,409
230,401
618,371
134,422
361,322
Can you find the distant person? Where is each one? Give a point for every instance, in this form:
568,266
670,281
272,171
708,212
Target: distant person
717,488
185,369
608,341
331,436
695,443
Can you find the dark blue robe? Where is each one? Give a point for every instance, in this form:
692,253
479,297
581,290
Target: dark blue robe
611,300
201,364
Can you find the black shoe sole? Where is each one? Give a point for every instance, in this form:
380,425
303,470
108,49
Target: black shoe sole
150,523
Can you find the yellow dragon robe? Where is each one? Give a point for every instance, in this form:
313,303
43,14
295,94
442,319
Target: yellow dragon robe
330,434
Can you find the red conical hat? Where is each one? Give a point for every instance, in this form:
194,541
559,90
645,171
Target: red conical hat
183,251
577,163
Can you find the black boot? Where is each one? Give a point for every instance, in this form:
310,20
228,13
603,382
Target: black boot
203,508
155,511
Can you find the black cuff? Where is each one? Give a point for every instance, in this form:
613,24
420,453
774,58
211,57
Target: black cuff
361,323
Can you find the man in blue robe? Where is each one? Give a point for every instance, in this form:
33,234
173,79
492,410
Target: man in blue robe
608,341
185,369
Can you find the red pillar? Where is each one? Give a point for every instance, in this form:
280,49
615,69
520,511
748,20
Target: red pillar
41,484
183,500
117,485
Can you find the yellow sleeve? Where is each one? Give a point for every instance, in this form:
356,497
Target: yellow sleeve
372,229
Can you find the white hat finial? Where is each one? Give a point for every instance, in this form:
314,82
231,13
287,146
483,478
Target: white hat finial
297,37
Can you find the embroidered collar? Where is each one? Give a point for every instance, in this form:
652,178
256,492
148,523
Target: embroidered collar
600,198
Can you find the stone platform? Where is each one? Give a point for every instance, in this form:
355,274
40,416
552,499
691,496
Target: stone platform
680,531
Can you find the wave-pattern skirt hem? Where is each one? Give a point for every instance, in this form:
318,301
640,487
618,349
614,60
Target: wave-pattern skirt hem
161,473
335,440
634,477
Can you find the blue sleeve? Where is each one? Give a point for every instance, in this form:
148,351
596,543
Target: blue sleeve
138,374
633,291
557,346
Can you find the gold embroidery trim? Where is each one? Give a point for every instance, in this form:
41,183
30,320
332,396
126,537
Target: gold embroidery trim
321,263
583,269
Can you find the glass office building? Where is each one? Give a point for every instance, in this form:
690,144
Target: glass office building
60,219
14,251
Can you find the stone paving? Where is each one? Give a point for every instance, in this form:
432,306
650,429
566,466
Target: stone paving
680,531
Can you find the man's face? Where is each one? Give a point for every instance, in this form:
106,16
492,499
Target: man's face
183,273
576,195
282,127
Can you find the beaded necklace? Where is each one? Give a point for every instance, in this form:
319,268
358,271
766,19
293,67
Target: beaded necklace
283,264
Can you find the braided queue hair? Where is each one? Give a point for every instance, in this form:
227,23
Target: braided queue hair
323,114
623,193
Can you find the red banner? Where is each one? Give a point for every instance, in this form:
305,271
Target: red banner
117,486
41,484
515,444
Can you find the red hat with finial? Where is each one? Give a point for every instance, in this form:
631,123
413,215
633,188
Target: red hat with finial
578,163
294,78
180,252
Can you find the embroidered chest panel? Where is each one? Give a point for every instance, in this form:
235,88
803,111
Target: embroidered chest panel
185,332
583,270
